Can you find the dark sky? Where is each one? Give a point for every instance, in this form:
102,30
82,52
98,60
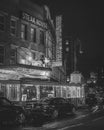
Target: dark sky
83,19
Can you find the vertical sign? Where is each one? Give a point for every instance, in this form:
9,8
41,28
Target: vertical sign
58,41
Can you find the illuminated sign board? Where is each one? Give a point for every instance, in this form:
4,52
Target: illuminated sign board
76,78
33,20
19,72
59,40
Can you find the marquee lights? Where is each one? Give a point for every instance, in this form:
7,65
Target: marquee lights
7,71
17,73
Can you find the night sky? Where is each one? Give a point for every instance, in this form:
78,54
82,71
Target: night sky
83,19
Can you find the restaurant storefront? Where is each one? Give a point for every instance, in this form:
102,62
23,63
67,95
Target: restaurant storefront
42,89
13,82
19,88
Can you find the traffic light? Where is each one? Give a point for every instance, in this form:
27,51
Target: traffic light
67,46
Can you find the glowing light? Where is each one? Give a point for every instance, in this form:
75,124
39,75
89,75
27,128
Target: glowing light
46,60
7,71
22,61
44,73
29,58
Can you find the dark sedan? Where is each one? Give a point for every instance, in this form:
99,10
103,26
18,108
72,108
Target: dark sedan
52,107
9,112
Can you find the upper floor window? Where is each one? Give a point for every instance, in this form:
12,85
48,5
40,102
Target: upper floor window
24,31
13,54
42,37
2,22
33,34
13,24
1,54
34,55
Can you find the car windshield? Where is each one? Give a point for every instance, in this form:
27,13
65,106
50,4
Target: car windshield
4,101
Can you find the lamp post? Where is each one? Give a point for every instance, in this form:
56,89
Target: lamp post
77,43
66,57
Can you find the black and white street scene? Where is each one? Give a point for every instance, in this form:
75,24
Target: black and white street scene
51,65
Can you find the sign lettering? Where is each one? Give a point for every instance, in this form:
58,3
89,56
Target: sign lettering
33,20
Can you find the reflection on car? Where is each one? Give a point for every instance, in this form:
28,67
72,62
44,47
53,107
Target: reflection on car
52,107
9,112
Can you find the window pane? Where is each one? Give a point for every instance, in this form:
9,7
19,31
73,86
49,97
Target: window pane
2,22
1,19
13,56
22,35
1,50
2,59
24,31
13,23
13,31
41,37
13,26
33,34
34,55
2,27
1,54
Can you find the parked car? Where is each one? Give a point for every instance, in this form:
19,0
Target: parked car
91,101
52,107
9,112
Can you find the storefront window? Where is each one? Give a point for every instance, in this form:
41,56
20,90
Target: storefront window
46,91
13,92
29,93
68,92
64,91
2,90
58,91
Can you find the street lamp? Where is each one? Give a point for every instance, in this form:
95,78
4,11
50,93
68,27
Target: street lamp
77,43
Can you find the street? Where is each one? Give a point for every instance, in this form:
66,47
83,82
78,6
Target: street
93,124
82,120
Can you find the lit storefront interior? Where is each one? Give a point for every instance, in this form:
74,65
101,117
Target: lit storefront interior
16,86
13,80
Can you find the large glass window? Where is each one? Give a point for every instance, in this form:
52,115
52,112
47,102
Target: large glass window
46,91
3,90
33,34
13,24
24,31
29,92
2,22
1,54
41,37
13,92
